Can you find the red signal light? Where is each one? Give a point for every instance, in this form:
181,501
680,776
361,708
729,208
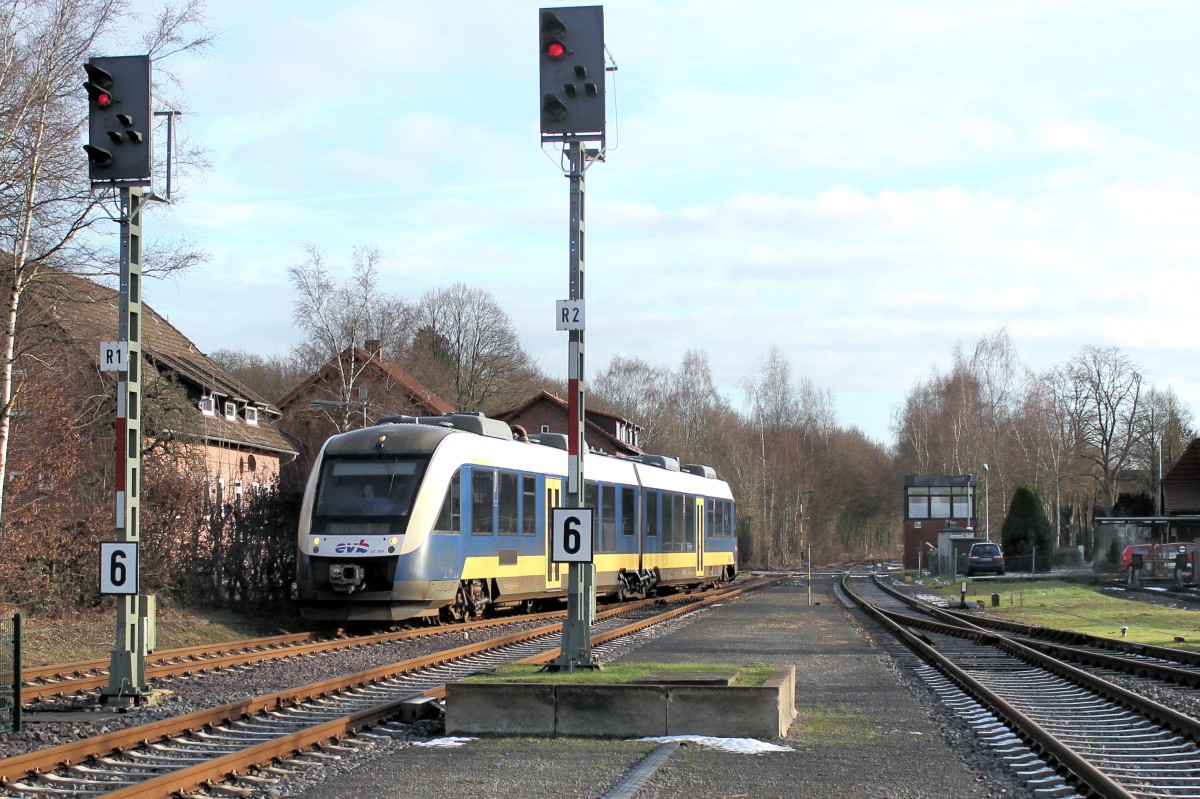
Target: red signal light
104,99
556,50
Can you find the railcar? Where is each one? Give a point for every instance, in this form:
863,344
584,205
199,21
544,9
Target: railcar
448,518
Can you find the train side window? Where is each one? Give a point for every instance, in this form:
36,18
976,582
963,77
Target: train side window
591,499
449,519
508,503
628,511
483,501
651,514
528,504
608,524
668,522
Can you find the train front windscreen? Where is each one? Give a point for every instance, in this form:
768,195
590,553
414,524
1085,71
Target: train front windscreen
359,496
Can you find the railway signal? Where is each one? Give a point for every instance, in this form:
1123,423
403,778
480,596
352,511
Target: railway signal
571,69
119,119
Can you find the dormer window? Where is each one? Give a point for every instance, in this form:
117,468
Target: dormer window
231,411
251,415
208,406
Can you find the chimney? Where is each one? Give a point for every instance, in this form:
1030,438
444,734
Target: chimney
374,348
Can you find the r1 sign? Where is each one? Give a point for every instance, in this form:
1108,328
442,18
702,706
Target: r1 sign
571,541
114,355
119,567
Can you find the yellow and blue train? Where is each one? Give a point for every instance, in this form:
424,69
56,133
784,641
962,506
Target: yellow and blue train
448,518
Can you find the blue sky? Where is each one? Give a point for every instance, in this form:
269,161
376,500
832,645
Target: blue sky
862,184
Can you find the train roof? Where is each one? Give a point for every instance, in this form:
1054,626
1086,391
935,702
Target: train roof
424,434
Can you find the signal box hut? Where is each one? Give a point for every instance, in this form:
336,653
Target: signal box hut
934,503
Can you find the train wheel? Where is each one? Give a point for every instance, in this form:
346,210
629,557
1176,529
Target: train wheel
456,611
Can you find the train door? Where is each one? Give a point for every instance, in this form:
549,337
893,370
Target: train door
700,532
553,500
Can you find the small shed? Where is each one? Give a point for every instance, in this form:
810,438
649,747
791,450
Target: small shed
954,544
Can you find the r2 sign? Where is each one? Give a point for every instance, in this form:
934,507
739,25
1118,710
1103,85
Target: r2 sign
571,540
119,567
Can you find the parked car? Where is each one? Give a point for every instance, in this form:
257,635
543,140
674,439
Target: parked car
1136,549
985,557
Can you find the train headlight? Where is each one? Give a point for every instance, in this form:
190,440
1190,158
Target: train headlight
316,542
394,540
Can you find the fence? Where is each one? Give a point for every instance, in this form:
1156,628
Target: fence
10,674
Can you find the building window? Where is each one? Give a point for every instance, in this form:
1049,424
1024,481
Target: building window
208,406
251,415
545,428
231,411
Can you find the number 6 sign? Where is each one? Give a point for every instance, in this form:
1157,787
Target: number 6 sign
571,540
119,567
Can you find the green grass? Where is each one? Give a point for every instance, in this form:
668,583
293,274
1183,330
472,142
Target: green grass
619,673
1082,608
824,725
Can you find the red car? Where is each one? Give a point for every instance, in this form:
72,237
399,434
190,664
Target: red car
1135,549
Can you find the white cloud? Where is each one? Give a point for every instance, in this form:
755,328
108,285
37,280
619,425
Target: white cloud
863,184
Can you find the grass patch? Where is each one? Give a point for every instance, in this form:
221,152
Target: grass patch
819,725
620,673
1083,608
91,634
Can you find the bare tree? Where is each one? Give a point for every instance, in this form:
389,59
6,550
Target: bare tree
271,376
45,196
1049,431
1112,409
466,346
636,390
339,317
1166,430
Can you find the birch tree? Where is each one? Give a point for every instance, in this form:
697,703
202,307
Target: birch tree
46,200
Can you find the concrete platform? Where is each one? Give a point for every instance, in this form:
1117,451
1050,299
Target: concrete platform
638,710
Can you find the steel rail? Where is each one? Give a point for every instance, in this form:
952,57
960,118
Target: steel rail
42,682
232,765
1180,667
44,761
1083,770
1184,656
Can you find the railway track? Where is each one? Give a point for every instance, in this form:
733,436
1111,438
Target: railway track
1064,730
1117,656
244,739
47,682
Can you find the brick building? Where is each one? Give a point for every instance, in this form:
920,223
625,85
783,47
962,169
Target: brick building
187,398
351,391
547,413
